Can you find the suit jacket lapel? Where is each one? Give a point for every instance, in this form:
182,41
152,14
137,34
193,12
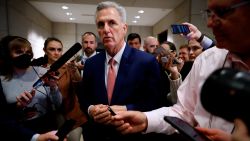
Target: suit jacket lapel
100,66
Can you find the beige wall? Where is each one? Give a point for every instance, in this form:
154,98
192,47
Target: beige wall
3,15
23,20
70,33
143,31
179,15
188,11
20,18
197,6
66,32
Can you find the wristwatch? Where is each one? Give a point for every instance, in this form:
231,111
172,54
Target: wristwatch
201,38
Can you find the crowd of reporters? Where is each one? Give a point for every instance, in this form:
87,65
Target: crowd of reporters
152,80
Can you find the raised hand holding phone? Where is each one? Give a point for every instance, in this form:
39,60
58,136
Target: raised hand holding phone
195,33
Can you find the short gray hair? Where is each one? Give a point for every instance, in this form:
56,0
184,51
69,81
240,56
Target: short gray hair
109,4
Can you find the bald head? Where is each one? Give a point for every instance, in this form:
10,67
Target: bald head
150,44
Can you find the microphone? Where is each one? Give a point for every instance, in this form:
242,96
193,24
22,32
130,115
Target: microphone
59,63
226,93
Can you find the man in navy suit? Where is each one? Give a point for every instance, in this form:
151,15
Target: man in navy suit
137,84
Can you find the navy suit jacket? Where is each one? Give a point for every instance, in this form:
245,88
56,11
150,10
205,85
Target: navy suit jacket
137,83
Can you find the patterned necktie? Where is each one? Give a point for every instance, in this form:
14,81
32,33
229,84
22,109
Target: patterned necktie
111,79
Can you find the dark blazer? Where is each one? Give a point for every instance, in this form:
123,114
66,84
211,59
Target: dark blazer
186,69
10,129
137,83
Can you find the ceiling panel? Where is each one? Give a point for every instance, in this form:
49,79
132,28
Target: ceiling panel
83,10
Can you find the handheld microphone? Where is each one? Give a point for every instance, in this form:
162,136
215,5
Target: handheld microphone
65,129
59,63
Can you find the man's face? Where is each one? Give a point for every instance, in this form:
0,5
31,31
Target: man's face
89,44
151,45
135,43
195,49
231,29
184,54
54,51
111,29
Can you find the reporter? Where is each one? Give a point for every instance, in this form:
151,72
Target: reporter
12,130
230,52
24,111
68,80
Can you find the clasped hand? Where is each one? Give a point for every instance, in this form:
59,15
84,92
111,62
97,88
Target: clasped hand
101,114
25,98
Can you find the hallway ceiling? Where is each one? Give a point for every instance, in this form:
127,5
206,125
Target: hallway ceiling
83,10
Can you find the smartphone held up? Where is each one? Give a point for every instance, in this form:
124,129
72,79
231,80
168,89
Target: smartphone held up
180,29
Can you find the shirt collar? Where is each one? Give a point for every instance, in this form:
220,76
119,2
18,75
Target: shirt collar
236,62
84,55
118,56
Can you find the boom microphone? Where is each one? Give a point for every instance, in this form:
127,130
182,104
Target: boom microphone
57,64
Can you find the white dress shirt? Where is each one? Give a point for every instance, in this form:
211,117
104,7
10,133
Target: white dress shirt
188,105
117,59
85,57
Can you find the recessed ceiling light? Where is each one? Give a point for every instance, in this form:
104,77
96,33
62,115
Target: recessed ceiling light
140,11
72,19
68,13
137,17
134,21
65,7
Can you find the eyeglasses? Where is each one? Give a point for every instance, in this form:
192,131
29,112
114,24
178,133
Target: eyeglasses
223,11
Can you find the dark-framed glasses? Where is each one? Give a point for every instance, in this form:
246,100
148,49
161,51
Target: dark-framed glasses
223,11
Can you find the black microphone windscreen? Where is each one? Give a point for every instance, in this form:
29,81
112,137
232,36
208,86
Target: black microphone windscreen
59,63
65,57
